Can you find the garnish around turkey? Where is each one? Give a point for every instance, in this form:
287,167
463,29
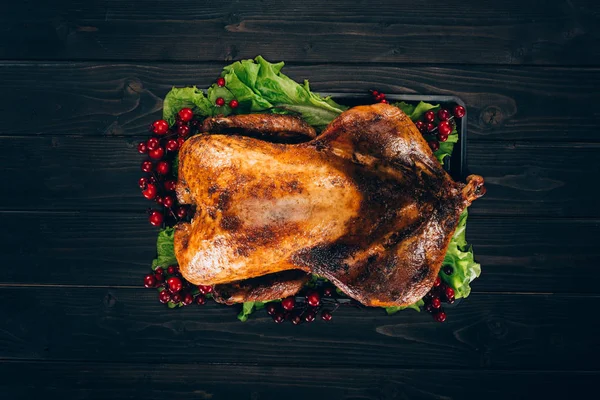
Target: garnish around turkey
271,196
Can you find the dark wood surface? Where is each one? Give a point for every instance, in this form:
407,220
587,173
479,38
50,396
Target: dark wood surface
81,80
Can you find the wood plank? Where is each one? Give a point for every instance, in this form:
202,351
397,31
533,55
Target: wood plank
448,31
115,249
101,173
488,330
539,104
159,381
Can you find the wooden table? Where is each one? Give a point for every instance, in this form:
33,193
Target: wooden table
80,82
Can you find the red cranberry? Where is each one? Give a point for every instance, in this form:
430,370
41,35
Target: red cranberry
313,299
429,116
449,292
164,296
205,289
150,191
328,291
384,101
171,145
186,114
234,103
157,153
152,143
440,316
159,200
176,298
309,316
159,270
147,166
436,302
179,123
430,127
288,303
200,300
169,185
459,111
172,270
326,315
220,81
420,126
374,93
159,277
155,218
163,167
160,127
220,102
429,308
168,201
271,308
142,148
149,281
181,212
296,319
180,142
444,128
143,182
152,180
278,317
443,114
175,284
434,144
450,300
441,137
437,281
188,299
183,131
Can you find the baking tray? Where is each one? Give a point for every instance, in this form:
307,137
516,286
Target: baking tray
456,164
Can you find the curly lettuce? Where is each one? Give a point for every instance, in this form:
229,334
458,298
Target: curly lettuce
462,260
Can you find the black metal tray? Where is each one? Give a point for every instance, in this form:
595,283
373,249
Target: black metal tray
456,164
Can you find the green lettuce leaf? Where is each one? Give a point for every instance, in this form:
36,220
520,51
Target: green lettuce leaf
460,257
393,310
258,86
165,249
191,97
249,307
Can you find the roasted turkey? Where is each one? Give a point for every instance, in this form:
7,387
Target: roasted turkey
365,204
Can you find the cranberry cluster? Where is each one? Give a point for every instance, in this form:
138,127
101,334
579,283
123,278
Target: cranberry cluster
220,102
436,127
159,183
174,289
306,307
439,293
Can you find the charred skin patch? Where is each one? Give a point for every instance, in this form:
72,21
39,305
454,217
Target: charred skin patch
293,186
224,200
329,258
230,223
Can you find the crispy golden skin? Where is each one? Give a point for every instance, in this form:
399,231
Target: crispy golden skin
274,128
365,204
266,287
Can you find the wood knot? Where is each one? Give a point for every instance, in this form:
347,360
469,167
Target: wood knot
497,328
133,85
109,300
491,116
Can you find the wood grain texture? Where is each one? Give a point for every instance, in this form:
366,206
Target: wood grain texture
116,249
448,31
115,381
546,332
108,99
101,173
